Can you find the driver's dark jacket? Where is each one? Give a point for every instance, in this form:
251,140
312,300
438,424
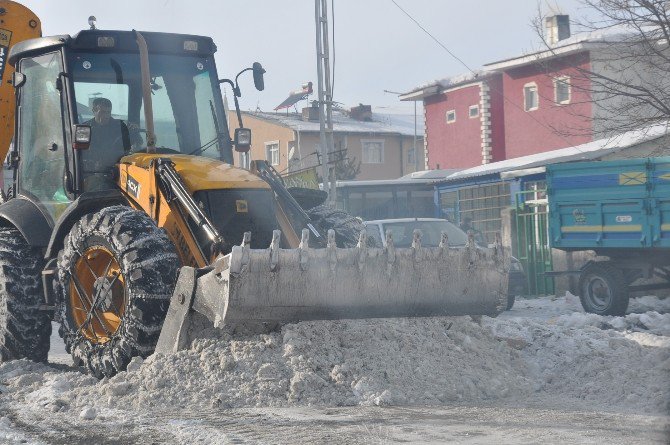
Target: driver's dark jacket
108,144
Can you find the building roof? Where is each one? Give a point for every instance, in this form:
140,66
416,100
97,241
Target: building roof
440,85
572,45
417,178
585,152
381,123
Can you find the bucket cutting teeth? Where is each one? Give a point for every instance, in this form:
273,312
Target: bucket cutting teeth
276,285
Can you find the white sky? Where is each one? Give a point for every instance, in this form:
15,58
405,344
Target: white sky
377,46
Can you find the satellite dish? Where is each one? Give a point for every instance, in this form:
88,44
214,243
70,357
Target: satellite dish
291,152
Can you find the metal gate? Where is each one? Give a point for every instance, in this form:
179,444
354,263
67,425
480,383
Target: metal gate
532,239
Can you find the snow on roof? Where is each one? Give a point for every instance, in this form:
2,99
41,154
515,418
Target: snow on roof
584,152
431,174
572,44
575,43
381,123
617,33
446,83
420,177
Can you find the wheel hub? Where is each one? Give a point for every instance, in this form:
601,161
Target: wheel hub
599,293
97,294
103,292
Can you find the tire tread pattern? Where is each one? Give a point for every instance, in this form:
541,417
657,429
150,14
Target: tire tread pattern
347,227
24,328
150,266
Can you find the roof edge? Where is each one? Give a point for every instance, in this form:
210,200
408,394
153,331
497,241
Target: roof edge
527,59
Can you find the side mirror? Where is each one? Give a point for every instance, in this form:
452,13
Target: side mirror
82,137
258,70
18,79
242,139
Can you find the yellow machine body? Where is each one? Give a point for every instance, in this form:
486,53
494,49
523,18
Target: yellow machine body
137,179
17,23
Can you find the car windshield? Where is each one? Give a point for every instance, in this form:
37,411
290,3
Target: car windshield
187,107
402,232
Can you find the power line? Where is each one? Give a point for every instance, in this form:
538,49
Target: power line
542,124
432,36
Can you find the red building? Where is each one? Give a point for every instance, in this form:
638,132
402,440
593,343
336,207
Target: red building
519,106
465,120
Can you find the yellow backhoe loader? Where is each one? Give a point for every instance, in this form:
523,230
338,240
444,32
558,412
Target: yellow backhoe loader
127,215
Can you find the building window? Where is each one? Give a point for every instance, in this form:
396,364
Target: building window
473,111
373,151
244,160
530,97
451,116
272,152
411,156
562,90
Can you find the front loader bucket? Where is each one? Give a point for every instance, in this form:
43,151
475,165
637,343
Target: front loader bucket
277,286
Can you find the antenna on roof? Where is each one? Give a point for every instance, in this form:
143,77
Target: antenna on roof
91,21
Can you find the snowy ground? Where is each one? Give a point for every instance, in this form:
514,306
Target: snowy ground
542,372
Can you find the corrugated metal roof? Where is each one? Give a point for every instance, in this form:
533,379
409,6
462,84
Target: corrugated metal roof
585,152
417,178
402,124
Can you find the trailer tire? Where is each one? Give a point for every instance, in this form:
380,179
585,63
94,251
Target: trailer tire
24,328
347,227
116,274
603,289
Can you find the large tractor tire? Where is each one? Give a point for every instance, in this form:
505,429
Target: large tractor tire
24,328
603,289
116,274
347,227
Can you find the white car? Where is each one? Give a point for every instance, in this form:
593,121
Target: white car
402,231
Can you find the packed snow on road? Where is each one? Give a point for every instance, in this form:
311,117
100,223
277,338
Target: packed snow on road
544,371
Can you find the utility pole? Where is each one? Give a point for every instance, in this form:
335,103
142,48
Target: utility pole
325,98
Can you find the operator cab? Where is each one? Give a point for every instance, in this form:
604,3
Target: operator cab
65,84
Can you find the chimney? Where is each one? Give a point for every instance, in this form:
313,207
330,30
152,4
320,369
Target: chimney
361,113
311,113
558,28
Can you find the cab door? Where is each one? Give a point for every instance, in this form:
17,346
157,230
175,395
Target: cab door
42,149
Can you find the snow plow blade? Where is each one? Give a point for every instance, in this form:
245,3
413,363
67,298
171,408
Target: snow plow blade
277,286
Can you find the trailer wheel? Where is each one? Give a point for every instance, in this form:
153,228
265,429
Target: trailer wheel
24,328
603,289
347,227
116,274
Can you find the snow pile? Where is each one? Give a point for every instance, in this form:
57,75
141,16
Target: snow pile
649,303
9,434
651,322
380,362
621,362
582,357
551,353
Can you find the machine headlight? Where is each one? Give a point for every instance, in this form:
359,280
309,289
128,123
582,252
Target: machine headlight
82,137
242,139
